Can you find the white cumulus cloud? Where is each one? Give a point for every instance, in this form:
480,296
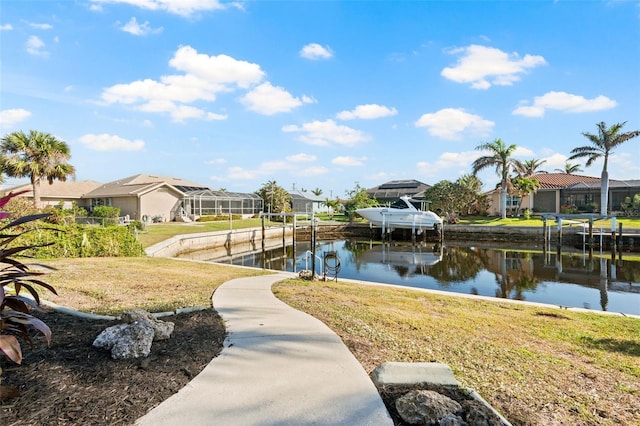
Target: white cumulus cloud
6,27
367,112
348,161
11,117
310,171
453,123
106,142
301,158
220,69
565,102
314,51
326,133
37,26
290,165
135,28
204,77
457,161
267,99
184,8
36,47
485,66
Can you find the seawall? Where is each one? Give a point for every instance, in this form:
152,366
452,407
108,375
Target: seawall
252,238
187,243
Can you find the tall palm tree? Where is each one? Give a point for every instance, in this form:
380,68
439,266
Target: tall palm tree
570,168
500,158
36,155
528,167
602,145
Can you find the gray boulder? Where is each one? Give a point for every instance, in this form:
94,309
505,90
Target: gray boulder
425,407
162,329
126,341
480,414
452,420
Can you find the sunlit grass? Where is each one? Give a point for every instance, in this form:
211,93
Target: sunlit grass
157,232
527,361
627,222
113,285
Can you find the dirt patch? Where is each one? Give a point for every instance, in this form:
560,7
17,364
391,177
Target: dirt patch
70,382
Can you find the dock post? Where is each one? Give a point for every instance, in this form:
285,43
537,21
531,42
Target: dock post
383,230
293,242
613,237
544,230
559,232
591,232
413,230
262,217
620,242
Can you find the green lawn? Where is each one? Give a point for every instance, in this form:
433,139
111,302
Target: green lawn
627,222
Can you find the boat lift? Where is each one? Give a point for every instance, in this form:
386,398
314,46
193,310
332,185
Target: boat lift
416,229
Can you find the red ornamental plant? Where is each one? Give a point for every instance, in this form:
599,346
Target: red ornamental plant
15,276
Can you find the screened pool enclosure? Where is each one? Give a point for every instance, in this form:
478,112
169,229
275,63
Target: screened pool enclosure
206,202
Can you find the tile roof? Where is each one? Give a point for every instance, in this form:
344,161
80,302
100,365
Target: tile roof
562,180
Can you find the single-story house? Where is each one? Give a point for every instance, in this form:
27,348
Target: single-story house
150,198
67,192
390,191
144,197
558,190
304,202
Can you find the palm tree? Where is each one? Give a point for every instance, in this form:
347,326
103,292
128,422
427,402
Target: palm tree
317,192
501,160
37,155
603,145
528,167
570,168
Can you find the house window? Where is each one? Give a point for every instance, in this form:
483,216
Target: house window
513,201
100,202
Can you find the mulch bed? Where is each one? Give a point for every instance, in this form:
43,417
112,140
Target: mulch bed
72,383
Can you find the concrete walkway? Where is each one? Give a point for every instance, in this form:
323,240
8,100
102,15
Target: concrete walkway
279,367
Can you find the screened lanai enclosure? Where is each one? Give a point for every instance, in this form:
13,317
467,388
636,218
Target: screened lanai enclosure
206,202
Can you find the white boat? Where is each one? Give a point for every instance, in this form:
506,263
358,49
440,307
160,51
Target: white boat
402,214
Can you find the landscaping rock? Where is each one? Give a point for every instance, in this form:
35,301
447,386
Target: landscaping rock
480,415
126,341
162,329
425,407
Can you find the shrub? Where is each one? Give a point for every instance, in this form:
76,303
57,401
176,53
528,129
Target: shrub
15,277
60,215
591,207
106,212
85,241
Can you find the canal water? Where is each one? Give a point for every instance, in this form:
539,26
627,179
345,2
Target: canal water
573,278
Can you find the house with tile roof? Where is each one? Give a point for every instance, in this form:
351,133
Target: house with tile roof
563,189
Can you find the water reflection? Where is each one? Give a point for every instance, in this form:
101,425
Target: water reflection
570,278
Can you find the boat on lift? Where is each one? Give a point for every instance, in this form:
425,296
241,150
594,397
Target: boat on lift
401,214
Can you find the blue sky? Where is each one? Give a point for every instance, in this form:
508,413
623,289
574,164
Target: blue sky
318,94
